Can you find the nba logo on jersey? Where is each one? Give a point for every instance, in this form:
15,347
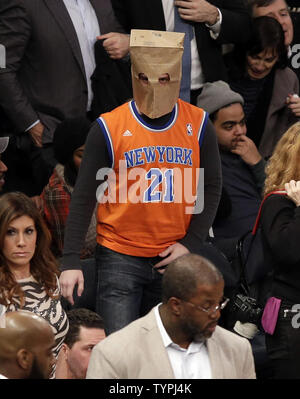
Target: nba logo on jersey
189,129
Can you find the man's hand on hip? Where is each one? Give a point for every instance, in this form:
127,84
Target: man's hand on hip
170,254
68,279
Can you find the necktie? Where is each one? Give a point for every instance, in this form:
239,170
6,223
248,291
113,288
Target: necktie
181,26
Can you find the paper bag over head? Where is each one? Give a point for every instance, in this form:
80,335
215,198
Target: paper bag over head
155,54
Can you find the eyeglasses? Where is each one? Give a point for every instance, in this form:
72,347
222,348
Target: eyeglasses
212,310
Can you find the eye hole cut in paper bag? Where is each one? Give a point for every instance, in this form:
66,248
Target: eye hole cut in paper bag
155,53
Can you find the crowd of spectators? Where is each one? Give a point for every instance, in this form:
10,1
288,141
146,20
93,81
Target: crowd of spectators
69,109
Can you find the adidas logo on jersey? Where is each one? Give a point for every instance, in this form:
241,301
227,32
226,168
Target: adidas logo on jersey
127,133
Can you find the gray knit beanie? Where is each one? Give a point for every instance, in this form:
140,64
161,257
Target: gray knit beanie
217,95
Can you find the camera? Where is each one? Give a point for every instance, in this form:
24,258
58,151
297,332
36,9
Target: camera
246,310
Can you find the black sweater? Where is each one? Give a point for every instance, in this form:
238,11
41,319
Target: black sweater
280,221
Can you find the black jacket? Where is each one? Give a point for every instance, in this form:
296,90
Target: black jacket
280,221
235,28
111,82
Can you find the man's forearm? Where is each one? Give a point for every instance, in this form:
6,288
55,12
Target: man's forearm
15,103
236,22
212,185
84,197
15,32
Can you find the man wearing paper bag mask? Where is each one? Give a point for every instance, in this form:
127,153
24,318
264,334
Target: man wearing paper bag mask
208,24
146,217
156,71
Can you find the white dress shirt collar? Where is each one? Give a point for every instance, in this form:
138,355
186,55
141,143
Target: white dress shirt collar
87,28
197,77
192,362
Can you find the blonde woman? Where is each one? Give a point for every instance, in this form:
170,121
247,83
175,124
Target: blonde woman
280,221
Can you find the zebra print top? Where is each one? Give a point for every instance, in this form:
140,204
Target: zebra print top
37,301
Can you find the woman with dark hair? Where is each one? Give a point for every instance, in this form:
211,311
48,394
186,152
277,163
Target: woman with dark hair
280,223
258,71
28,270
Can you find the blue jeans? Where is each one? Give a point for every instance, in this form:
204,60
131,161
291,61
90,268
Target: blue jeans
128,287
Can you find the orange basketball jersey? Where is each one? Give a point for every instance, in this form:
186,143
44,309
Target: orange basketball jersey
152,187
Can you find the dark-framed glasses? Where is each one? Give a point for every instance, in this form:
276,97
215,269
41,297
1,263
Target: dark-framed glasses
213,309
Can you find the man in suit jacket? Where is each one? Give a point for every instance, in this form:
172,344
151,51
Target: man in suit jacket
215,22
180,337
49,61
